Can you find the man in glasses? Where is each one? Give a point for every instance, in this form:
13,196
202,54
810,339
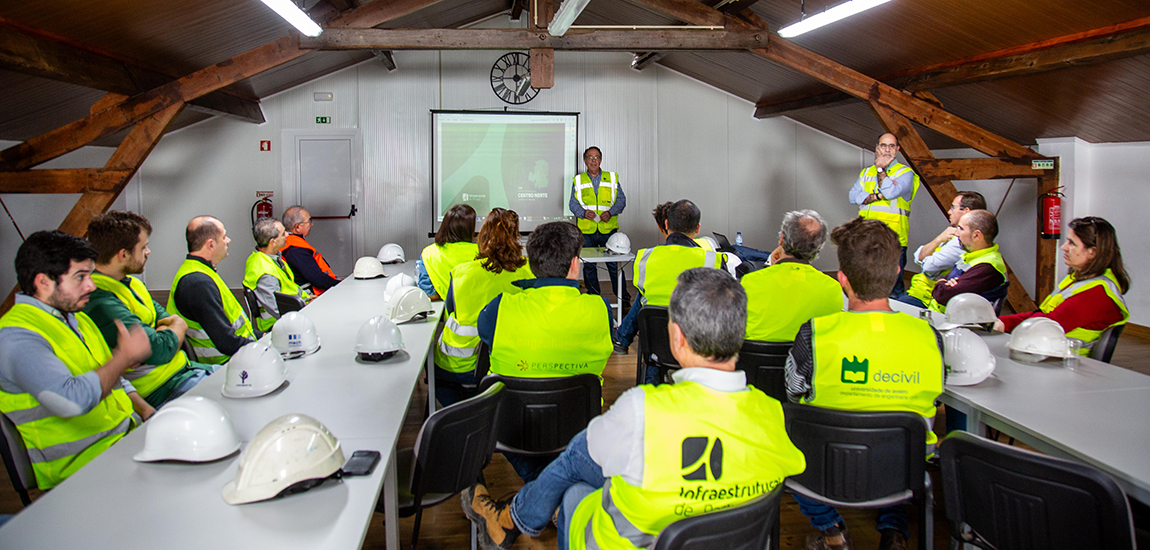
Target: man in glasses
596,201
305,261
884,192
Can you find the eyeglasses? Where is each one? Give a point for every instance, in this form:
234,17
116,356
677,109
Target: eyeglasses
887,146
592,158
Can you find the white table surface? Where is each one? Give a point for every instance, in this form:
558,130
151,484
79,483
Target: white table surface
600,255
177,505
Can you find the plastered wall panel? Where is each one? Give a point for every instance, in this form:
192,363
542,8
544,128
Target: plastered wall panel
761,160
825,169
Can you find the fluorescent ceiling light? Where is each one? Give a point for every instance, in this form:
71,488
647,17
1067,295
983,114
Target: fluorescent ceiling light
841,11
566,16
295,16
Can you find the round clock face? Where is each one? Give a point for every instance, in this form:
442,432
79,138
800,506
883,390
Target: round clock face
511,78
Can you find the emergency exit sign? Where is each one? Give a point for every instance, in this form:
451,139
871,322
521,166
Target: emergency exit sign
327,120
1042,164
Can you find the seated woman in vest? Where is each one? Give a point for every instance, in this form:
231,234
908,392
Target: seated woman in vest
452,247
1089,300
472,286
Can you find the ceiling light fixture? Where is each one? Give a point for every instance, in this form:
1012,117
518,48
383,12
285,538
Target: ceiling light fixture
295,16
566,16
841,11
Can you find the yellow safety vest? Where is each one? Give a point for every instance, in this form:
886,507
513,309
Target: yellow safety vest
597,203
440,260
1069,287
551,331
703,450
894,212
135,296
259,264
206,351
473,287
59,446
989,255
704,244
657,270
922,286
783,296
876,361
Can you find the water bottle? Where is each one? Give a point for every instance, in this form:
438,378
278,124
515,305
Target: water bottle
739,238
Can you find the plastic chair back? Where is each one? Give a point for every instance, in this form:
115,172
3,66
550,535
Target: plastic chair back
1107,342
287,303
16,460
541,415
751,526
765,363
253,309
456,443
998,496
654,343
997,296
483,360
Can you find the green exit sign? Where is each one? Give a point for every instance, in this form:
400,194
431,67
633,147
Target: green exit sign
323,120
1042,164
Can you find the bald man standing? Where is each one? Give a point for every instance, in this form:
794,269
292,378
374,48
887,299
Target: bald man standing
884,192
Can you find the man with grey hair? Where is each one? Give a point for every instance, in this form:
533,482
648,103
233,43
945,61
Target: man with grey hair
622,480
790,291
266,273
306,262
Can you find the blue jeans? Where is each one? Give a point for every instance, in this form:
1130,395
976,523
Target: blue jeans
591,271
629,326
537,501
448,387
899,285
748,254
911,300
824,517
571,500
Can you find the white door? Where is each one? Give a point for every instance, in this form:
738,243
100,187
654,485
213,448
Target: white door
325,176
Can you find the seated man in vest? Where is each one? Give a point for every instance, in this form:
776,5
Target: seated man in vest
59,383
217,325
790,292
981,270
266,273
121,240
836,356
622,480
937,258
306,262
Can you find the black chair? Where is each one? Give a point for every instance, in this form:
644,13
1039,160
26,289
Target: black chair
253,310
997,296
764,363
654,343
998,496
453,447
1106,343
190,350
539,416
862,460
751,526
287,303
16,460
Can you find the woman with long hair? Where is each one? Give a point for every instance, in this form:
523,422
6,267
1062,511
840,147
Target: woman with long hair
453,246
1089,300
472,286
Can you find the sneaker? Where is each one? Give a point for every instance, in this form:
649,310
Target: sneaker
492,518
818,541
621,349
892,540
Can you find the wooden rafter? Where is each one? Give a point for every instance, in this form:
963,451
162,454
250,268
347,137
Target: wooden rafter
542,68
976,169
512,39
76,180
1075,50
517,9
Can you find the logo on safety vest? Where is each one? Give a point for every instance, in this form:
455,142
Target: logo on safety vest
855,372
701,454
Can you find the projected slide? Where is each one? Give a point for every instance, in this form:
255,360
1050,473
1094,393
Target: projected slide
524,162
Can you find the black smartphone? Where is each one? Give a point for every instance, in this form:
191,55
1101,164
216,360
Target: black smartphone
361,463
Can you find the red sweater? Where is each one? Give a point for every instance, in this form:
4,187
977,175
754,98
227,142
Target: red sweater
1091,310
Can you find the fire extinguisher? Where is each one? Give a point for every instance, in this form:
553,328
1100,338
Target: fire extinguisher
1050,214
262,210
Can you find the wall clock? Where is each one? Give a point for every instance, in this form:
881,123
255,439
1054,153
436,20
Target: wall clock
511,78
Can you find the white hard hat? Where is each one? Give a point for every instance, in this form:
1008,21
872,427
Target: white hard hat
406,304
291,449
968,309
378,339
1036,339
619,243
733,263
391,253
711,241
397,282
368,267
294,335
255,370
191,429
967,357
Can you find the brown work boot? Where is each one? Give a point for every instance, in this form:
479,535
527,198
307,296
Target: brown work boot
892,540
492,518
833,538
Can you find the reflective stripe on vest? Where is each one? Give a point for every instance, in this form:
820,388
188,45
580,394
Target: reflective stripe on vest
298,241
551,331
58,446
894,212
206,351
259,264
876,361
657,270
145,378
472,288
989,255
1069,287
773,313
440,260
596,202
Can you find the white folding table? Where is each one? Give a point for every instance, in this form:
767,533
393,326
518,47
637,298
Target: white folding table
603,256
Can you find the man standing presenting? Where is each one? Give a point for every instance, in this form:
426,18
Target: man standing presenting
121,240
217,326
981,270
938,257
306,262
597,199
265,272
884,192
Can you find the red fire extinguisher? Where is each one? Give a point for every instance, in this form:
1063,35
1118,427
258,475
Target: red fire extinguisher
262,210
1050,214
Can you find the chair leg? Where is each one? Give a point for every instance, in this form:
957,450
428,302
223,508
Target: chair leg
926,519
640,369
415,531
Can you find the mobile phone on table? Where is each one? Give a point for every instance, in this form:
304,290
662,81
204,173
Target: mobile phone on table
361,463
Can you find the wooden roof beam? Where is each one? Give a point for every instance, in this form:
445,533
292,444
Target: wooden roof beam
77,180
519,39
